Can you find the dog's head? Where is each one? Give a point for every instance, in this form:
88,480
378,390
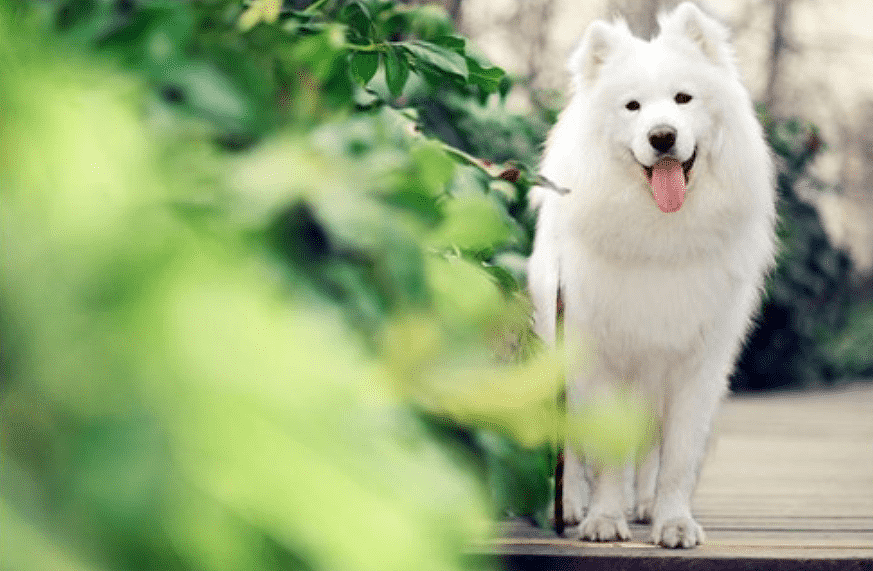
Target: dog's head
657,103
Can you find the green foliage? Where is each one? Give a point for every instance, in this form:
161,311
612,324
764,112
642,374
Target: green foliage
808,293
237,280
850,349
396,70
521,478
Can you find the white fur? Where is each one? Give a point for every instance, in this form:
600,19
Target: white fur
664,300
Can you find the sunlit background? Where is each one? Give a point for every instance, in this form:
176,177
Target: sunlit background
262,295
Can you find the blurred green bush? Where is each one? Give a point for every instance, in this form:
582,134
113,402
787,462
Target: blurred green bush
247,296
812,330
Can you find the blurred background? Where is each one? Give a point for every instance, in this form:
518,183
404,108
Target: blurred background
262,295
808,64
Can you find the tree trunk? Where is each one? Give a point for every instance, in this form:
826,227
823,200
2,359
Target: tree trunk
778,45
453,7
641,15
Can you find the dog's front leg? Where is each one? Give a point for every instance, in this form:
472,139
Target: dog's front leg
605,520
686,426
645,481
575,496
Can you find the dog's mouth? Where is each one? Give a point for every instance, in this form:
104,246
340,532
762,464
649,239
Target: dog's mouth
668,179
686,167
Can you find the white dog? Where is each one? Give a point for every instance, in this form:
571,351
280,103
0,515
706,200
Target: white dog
659,251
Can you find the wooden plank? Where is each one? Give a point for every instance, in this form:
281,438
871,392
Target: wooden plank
806,455
722,542
788,484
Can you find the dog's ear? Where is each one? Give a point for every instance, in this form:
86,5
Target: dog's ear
710,36
598,45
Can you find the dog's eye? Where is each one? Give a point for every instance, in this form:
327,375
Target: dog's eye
682,98
633,105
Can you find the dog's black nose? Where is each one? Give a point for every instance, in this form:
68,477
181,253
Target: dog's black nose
662,138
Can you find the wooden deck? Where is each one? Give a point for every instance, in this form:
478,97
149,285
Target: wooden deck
788,485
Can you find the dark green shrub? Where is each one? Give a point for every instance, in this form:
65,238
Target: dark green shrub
237,277
808,293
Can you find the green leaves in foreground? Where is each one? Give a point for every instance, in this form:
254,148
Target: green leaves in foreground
435,63
435,56
213,364
183,404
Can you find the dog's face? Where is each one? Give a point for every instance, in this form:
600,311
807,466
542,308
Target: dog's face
662,125
660,110
658,102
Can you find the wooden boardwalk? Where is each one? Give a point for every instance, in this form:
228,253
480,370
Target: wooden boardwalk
788,484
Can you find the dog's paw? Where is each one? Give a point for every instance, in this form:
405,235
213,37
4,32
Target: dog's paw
682,532
604,528
643,511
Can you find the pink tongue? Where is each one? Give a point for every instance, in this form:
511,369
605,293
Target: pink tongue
668,184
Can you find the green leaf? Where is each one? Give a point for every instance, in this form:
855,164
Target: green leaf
396,70
418,203
473,222
439,57
358,18
202,89
435,167
505,86
506,279
519,477
259,11
364,65
612,427
317,52
456,43
487,78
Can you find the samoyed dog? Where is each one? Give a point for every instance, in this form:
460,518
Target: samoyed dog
658,251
